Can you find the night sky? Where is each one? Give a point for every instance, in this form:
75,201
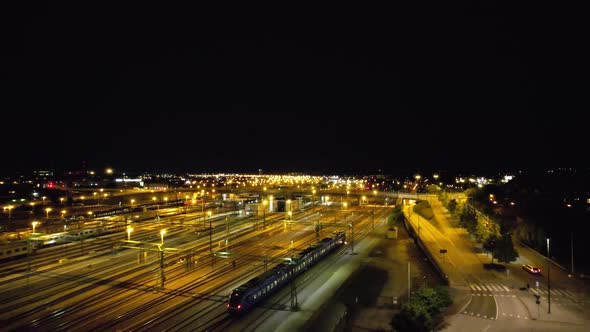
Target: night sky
463,86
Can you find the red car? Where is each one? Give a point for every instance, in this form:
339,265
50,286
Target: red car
531,269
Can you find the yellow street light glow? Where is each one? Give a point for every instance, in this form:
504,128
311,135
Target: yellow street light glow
34,224
129,230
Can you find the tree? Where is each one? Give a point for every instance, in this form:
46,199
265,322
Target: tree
452,206
412,317
490,245
422,310
505,251
468,219
396,217
434,299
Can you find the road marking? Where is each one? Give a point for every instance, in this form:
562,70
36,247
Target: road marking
486,328
507,289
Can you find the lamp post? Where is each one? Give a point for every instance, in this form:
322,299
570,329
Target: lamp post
34,224
264,203
210,232
548,279
312,199
129,230
10,207
162,233
157,205
351,238
32,208
47,213
203,205
132,201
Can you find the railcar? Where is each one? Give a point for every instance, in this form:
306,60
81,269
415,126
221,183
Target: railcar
257,289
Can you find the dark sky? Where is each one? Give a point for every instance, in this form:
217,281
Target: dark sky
462,86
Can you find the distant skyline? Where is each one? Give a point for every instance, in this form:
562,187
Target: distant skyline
459,88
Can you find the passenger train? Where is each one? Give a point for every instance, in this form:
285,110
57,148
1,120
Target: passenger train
20,248
249,294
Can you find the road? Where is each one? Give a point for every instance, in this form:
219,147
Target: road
497,302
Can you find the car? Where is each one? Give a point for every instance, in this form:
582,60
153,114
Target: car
531,269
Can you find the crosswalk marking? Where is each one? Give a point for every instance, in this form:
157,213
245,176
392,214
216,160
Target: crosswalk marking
491,289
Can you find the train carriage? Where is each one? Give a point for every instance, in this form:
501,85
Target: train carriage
249,294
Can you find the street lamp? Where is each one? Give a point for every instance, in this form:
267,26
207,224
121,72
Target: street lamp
10,207
34,224
548,279
132,201
351,238
129,230
47,213
32,208
157,205
63,213
162,232
210,232
345,204
264,203
203,205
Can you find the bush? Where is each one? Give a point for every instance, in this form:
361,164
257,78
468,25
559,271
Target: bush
423,208
396,218
422,310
